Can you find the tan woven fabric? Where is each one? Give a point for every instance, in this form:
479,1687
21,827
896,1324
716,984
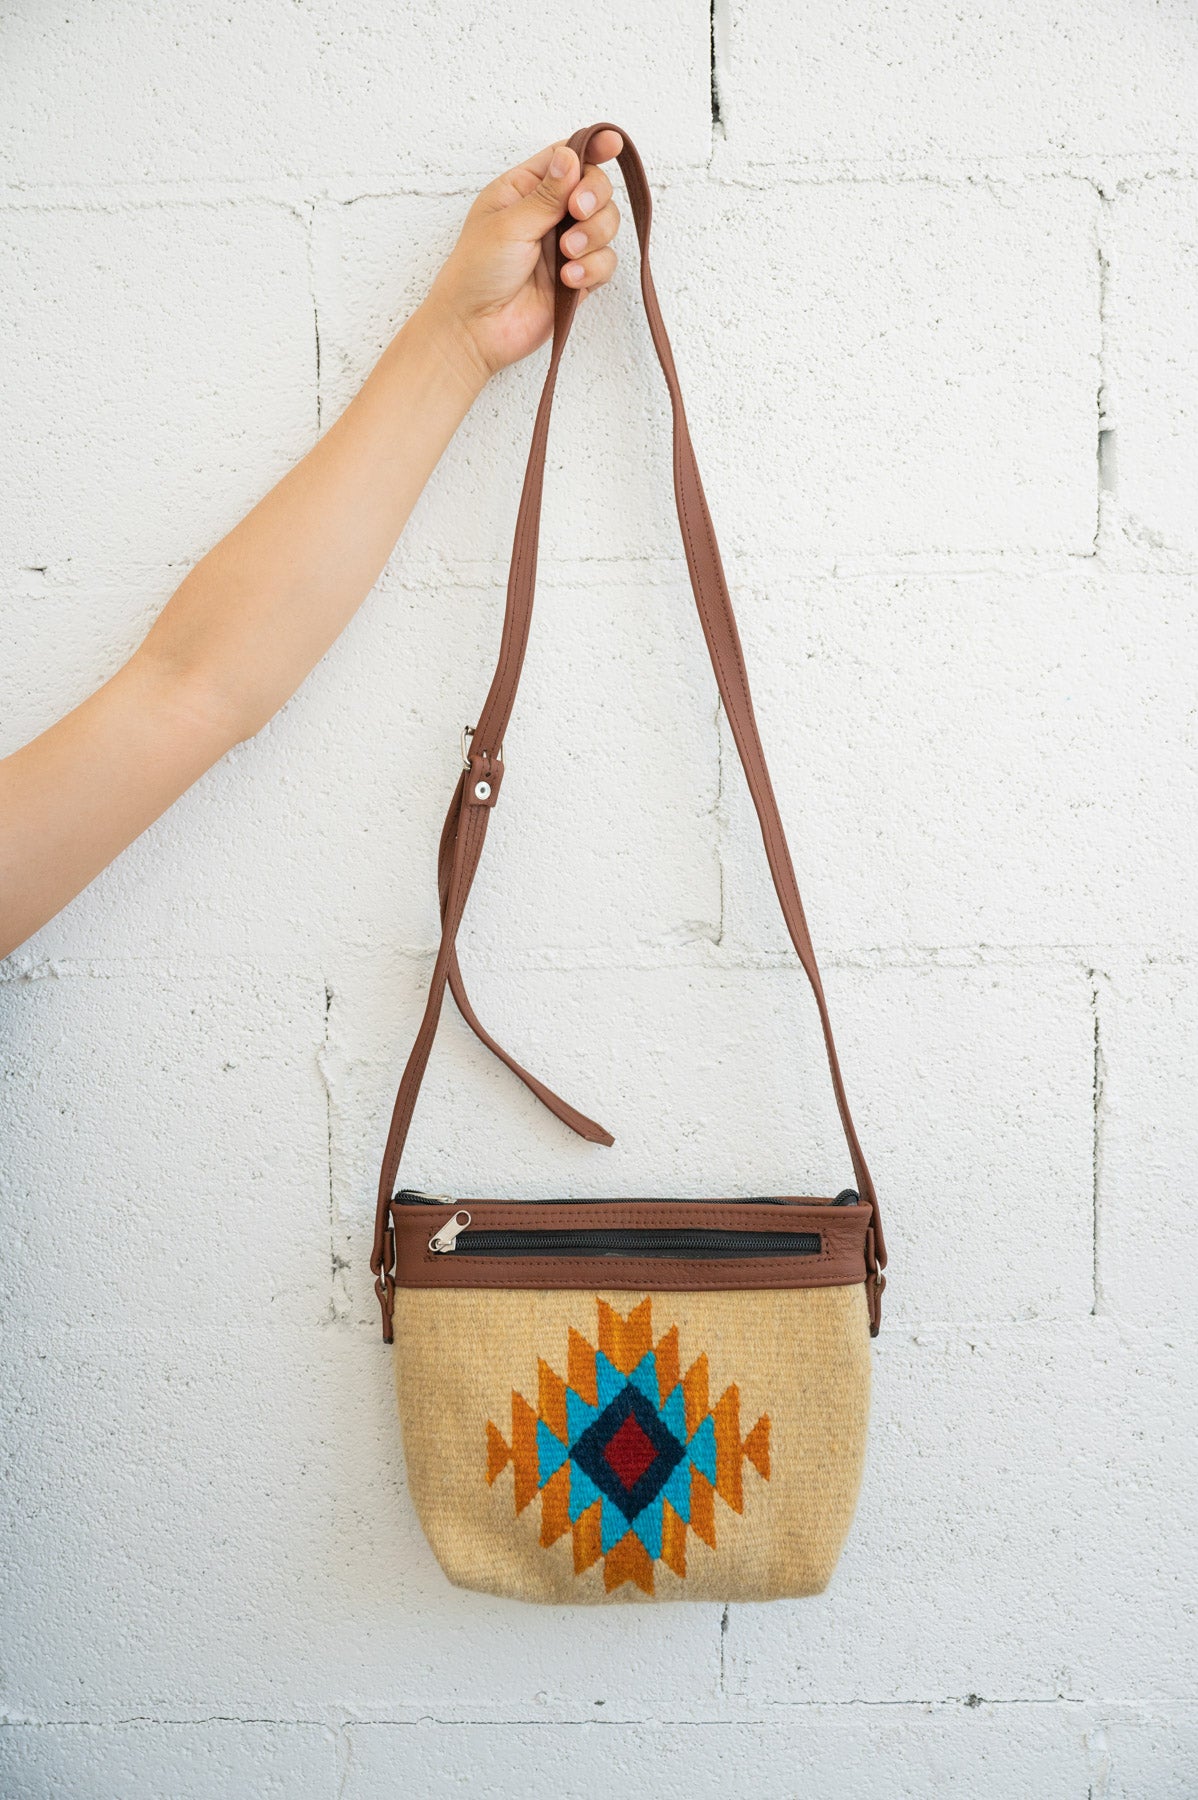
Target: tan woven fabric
764,1393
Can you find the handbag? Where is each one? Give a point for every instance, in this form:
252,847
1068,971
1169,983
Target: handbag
642,1399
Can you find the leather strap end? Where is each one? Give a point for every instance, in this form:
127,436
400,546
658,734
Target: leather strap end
875,1286
875,1281
385,1290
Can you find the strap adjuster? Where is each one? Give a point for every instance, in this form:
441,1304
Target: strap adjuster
484,772
467,733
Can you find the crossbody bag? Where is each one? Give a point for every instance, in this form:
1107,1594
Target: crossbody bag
643,1399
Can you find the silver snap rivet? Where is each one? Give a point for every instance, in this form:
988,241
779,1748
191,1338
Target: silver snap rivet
482,790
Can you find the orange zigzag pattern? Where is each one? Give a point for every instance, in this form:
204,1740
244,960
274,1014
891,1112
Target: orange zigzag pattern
625,1342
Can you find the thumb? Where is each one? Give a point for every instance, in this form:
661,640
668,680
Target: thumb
532,217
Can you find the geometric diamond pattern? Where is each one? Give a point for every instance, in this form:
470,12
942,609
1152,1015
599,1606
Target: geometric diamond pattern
629,1452
625,1452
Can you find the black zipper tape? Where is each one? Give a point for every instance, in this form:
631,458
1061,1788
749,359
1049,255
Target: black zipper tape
675,1241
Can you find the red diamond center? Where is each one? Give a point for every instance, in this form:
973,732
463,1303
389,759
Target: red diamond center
629,1453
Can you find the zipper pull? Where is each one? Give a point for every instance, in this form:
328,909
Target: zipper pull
445,1239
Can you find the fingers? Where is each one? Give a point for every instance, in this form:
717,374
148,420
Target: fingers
598,230
594,190
588,243
590,271
551,186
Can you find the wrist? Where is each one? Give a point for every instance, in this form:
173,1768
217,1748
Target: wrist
449,339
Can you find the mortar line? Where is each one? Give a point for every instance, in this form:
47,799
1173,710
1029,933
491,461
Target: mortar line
337,1263
717,117
316,334
1098,1089
311,255
1098,1755
720,823
1116,174
758,1713
1105,454
344,1754
411,575
1095,1092
17,970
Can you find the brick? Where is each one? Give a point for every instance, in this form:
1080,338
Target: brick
910,369
971,1087
162,377
1151,241
167,1267
1148,1137
1025,1491
1154,1752
913,83
216,1760
987,760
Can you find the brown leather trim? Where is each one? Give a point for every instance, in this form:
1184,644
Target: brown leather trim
840,1261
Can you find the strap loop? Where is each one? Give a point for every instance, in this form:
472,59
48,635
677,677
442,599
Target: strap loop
469,813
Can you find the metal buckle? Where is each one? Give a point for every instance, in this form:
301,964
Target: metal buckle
468,732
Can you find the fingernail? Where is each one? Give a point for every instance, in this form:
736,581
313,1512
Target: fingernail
574,271
586,204
560,163
574,241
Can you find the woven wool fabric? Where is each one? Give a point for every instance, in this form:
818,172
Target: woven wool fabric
576,1447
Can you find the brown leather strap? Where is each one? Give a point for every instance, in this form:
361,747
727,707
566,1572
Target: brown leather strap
479,786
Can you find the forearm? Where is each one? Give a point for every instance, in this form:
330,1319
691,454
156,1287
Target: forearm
259,611
237,638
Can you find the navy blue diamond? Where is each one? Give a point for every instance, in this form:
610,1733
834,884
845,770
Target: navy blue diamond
588,1451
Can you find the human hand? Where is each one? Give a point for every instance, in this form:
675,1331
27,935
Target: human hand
495,292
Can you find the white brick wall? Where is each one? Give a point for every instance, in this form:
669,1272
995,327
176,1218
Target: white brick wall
914,261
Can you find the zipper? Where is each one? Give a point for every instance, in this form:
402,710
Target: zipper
669,1241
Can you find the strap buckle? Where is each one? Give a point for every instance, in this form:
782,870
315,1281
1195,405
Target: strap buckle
467,734
875,1283
484,772
384,1280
